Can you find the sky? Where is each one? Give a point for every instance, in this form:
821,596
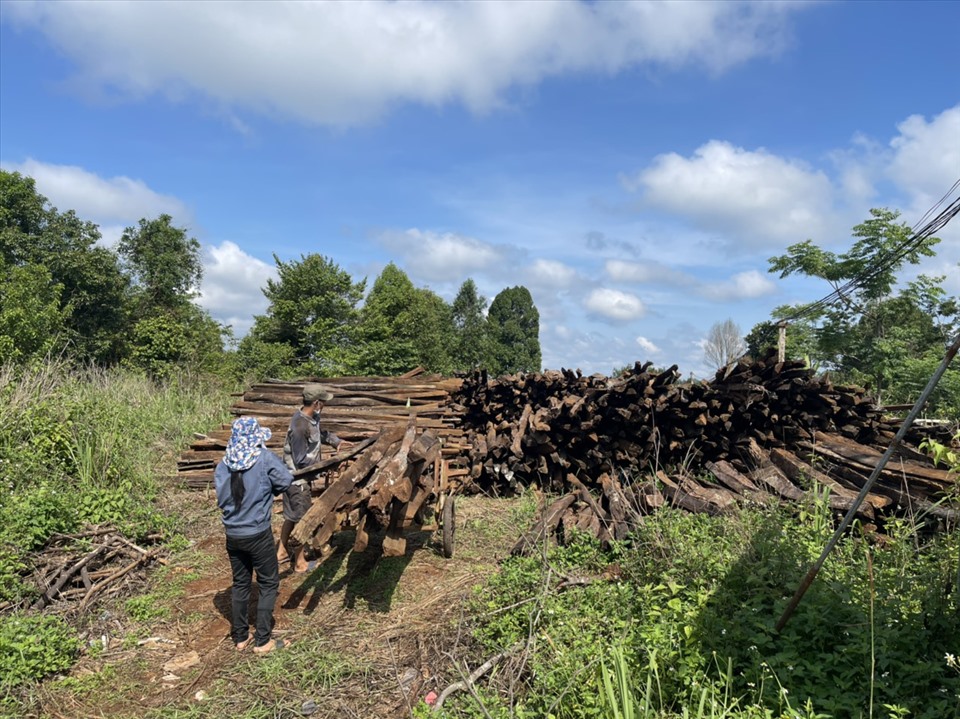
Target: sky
635,165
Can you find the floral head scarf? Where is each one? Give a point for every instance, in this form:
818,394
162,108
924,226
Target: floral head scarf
247,441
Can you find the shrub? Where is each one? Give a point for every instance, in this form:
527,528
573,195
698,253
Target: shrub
33,646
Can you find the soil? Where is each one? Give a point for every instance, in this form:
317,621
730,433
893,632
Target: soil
382,632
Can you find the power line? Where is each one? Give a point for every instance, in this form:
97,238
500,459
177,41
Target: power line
884,263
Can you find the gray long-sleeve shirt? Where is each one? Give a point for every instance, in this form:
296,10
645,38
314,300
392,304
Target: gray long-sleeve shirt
265,479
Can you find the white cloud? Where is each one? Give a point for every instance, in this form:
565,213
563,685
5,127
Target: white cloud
745,285
341,63
117,200
442,256
647,346
550,273
754,196
231,287
926,159
614,305
646,272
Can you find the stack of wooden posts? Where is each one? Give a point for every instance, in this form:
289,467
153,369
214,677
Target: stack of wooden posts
616,449
386,487
609,507
542,427
361,407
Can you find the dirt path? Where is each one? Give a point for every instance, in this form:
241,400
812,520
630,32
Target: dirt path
369,635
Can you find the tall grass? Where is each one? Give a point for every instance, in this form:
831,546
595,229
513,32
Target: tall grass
87,445
687,628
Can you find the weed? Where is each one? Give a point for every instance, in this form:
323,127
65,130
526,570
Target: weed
33,646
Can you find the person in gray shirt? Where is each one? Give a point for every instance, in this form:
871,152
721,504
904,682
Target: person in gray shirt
302,449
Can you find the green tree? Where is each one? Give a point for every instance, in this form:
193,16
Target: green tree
164,262
31,316
514,332
873,329
434,340
387,340
170,332
256,360
93,287
470,327
313,311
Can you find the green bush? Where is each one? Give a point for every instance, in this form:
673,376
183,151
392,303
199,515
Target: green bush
33,646
692,615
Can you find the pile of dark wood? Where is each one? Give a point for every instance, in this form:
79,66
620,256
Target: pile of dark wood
616,449
540,427
387,486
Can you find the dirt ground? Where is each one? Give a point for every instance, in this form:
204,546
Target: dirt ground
384,631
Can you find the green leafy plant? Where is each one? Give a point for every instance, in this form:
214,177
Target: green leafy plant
942,454
33,646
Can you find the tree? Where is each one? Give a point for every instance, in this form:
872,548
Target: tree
169,331
470,327
92,299
313,311
514,332
164,262
873,329
435,336
386,338
168,341
724,344
31,316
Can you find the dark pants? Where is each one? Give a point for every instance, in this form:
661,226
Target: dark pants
249,554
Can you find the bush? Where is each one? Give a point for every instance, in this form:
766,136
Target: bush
84,446
691,619
33,646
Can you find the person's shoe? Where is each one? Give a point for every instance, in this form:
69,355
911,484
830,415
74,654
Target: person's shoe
245,643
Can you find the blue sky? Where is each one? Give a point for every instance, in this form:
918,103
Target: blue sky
633,164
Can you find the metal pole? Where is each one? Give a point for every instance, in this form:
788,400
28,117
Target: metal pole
921,401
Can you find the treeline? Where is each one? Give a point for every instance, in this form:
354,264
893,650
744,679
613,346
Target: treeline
65,294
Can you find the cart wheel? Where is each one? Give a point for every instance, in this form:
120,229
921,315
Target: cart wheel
449,521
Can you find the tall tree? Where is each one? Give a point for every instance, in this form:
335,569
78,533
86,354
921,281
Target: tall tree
386,338
514,332
92,299
435,337
873,328
164,262
170,332
470,326
724,344
313,311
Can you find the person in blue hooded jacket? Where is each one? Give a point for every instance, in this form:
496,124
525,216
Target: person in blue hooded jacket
246,481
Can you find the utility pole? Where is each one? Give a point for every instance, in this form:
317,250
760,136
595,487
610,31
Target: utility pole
781,340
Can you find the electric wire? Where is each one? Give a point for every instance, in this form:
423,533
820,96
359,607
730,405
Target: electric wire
885,262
